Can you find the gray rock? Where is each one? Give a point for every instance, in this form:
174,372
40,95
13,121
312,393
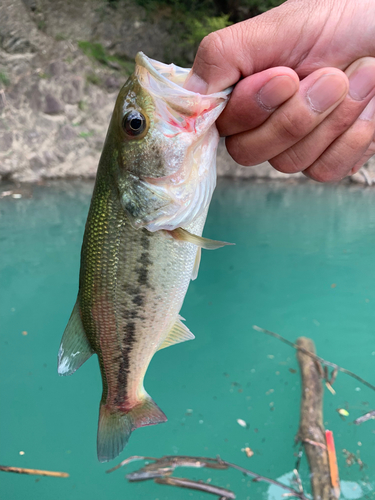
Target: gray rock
31,4
66,133
52,105
6,141
35,98
112,83
36,163
72,92
49,157
57,68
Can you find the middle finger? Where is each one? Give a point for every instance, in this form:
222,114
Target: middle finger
319,94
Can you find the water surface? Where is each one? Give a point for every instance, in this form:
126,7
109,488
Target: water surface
303,264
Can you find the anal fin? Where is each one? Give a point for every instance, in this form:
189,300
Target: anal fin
75,348
178,333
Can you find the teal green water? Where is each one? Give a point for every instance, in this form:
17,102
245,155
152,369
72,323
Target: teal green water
303,264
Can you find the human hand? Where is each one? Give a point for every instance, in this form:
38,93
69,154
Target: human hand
306,98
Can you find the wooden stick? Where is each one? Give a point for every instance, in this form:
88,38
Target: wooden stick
196,485
258,477
367,416
311,427
164,466
313,355
35,472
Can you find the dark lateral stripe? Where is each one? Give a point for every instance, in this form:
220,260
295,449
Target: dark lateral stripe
124,365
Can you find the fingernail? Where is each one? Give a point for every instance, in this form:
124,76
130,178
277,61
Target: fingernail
326,91
362,82
369,112
195,83
276,91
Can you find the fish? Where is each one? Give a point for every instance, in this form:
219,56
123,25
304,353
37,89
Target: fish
142,242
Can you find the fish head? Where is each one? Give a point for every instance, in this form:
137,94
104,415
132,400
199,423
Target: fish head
164,141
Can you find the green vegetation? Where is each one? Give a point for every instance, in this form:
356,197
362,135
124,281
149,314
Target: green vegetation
198,29
236,10
44,76
60,37
94,50
192,20
93,78
4,79
186,21
97,52
41,25
86,134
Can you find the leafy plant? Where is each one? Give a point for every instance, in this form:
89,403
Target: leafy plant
96,51
4,78
93,78
198,29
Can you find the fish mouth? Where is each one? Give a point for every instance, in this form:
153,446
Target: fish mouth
169,74
173,76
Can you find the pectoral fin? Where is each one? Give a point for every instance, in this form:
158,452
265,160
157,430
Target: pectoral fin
197,261
178,333
181,234
75,348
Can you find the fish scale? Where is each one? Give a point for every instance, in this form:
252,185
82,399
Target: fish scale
141,245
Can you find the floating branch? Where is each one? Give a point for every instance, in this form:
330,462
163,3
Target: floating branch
223,493
314,356
170,462
324,480
128,461
258,477
164,466
367,416
34,472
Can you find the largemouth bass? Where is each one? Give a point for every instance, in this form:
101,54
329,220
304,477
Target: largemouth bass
142,241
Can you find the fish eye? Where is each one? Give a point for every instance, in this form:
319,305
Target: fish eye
134,123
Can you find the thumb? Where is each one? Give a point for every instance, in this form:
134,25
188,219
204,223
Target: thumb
276,38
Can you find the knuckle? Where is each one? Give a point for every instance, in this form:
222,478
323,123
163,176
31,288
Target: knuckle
293,127
240,152
289,162
211,48
322,174
330,167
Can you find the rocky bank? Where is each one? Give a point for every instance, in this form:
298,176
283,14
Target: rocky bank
62,64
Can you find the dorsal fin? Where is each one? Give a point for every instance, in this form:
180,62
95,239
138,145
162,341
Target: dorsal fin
75,348
178,333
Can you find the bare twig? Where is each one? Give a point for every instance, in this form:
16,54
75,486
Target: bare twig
314,356
165,465
128,461
367,416
196,485
35,472
258,477
298,480
315,443
171,461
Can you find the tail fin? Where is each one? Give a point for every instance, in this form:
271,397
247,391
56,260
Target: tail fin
115,426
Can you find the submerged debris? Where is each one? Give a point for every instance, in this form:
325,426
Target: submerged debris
35,472
367,416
